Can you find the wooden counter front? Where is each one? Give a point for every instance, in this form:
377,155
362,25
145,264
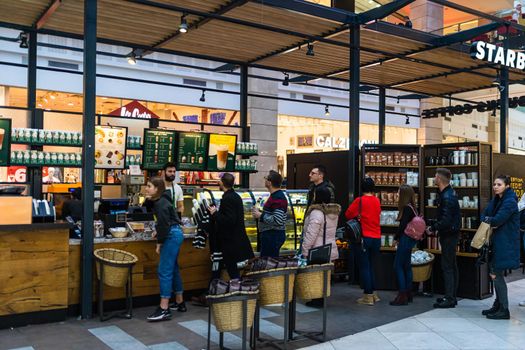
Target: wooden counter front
195,267
33,268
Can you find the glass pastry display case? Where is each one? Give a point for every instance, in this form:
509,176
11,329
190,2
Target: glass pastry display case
299,201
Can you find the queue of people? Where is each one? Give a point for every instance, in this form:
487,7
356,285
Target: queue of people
228,239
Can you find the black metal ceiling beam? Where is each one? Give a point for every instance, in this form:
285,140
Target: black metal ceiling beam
44,17
382,11
237,21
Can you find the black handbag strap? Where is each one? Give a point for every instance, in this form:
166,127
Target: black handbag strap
324,229
360,208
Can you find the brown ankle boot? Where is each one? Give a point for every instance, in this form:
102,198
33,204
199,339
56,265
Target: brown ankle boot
401,299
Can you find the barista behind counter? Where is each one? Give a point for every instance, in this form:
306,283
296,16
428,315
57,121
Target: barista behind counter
73,207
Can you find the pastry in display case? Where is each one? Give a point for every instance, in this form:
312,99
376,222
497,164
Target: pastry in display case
299,201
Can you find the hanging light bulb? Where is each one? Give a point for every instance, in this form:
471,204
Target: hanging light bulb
326,111
407,121
183,26
23,38
286,80
132,58
310,50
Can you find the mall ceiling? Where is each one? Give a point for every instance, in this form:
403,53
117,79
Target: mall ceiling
265,34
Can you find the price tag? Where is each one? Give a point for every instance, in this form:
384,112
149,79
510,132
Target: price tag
135,170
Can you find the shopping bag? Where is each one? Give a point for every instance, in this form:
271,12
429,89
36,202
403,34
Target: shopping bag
482,236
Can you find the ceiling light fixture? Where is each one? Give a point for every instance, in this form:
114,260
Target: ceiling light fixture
326,111
407,121
132,58
183,26
24,40
286,80
203,96
310,51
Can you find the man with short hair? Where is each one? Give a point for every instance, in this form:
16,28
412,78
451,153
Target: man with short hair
318,179
272,220
176,194
229,232
447,226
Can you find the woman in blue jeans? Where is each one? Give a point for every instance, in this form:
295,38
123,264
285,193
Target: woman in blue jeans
402,261
169,240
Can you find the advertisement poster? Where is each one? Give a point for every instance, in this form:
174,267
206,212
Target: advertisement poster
110,147
5,135
52,175
192,151
14,174
159,148
221,152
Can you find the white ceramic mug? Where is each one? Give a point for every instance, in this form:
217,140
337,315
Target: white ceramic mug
470,183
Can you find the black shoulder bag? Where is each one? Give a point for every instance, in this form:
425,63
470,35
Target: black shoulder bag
321,254
353,230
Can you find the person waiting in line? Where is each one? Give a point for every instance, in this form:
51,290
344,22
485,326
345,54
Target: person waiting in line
404,243
169,240
73,207
447,227
319,179
177,196
228,230
320,224
272,220
371,230
521,208
503,216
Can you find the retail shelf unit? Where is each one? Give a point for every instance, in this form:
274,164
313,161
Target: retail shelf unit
471,167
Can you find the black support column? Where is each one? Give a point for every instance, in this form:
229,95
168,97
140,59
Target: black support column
504,104
31,70
353,164
36,115
243,110
382,114
88,154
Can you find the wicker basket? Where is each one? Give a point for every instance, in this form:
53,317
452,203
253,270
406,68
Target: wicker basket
422,273
227,316
116,263
309,281
271,290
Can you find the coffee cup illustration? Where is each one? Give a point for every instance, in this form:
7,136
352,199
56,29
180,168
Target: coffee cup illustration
222,156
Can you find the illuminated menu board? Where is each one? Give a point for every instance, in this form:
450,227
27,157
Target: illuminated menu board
159,148
192,151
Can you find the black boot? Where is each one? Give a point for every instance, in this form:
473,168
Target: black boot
494,308
502,314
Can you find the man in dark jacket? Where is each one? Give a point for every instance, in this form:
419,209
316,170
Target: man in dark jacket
447,226
228,227
318,179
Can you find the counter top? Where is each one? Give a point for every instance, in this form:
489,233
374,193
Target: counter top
133,238
34,227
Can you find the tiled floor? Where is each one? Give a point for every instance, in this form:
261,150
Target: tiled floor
460,328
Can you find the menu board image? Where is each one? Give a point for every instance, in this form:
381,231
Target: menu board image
110,147
5,135
192,151
221,152
159,148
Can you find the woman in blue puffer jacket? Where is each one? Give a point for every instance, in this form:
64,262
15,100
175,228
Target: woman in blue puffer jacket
503,216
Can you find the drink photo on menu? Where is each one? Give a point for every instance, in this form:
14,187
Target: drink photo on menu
221,153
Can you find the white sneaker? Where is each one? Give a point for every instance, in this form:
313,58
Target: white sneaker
522,303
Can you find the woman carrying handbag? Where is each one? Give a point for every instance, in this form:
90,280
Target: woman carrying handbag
503,216
368,209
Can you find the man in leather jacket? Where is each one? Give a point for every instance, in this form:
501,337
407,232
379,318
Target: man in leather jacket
447,226
318,181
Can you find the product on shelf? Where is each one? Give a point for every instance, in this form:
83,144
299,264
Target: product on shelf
389,178
456,157
388,217
247,148
39,136
246,164
133,141
28,157
391,159
387,240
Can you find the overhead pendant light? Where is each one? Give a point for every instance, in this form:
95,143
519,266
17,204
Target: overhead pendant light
24,40
183,26
132,58
407,121
494,112
310,50
326,111
286,80
203,96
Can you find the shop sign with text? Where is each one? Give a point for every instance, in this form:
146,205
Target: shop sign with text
337,142
468,108
134,109
498,55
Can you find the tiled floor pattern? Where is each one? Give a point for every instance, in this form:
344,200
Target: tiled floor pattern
460,328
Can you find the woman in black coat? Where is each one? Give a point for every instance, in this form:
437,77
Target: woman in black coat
503,216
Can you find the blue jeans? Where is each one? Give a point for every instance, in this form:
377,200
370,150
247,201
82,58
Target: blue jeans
271,242
168,270
402,263
367,256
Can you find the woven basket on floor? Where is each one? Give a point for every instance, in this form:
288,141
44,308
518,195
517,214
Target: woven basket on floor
227,316
422,273
116,265
309,281
271,289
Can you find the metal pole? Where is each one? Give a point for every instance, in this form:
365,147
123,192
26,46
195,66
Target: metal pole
353,163
36,121
88,154
382,114
243,107
504,102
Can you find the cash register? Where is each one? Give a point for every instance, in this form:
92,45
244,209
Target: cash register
116,212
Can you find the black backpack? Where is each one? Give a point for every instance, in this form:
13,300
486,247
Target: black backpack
522,220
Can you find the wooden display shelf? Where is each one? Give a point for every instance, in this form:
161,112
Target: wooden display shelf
134,148
465,254
450,166
388,249
46,144
393,166
46,165
457,187
389,225
433,207
396,186
247,154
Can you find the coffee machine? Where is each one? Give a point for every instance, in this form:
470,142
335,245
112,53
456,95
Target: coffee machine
131,189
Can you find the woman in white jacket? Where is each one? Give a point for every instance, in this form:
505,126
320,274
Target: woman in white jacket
321,212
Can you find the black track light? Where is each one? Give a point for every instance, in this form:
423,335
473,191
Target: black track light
286,80
24,40
494,112
326,111
203,96
398,100
407,121
310,51
183,26
132,58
